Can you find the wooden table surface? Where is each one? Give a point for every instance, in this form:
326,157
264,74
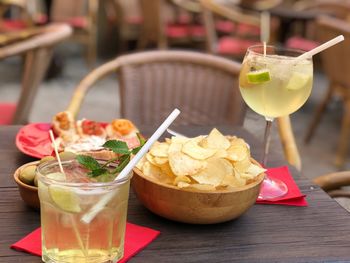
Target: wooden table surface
266,233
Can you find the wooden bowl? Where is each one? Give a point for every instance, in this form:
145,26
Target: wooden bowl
28,193
194,206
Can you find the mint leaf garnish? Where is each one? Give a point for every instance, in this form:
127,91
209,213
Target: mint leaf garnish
88,162
100,171
117,146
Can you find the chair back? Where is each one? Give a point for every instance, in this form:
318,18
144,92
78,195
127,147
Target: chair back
204,87
213,9
152,84
37,51
335,60
153,26
336,8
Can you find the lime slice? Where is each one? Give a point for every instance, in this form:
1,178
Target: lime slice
64,198
297,81
258,76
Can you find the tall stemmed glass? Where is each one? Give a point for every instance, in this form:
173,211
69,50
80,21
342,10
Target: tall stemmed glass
274,83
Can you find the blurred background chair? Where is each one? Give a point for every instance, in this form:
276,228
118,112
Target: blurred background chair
37,51
204,87
304,32
336,65
125,16
168,23
81,15
20,17
335,183
229,31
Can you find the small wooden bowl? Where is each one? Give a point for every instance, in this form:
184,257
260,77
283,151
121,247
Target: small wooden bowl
28,193
194,206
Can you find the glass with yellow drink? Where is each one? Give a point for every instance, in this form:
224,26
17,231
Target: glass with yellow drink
73,228
275,85
274,82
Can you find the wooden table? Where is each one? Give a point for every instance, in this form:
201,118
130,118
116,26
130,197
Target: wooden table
266,233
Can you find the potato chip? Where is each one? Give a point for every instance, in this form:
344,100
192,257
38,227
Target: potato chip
159,149
220,153
182,164
167,170
140,164
239,180
182,178
160,160
255,170
214,173
233,181
156,173
175,147
183,185
193,149
242,165
150,158
237,153
215,140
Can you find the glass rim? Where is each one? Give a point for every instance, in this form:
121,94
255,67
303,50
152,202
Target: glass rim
278,48
76,185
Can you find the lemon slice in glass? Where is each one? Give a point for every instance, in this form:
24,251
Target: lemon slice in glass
65,198
62,196
258,76
297,81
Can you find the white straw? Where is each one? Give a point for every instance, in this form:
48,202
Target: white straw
90,215
162,128
56,151
320,48
265,27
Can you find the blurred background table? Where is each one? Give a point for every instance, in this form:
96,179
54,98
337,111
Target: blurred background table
266,233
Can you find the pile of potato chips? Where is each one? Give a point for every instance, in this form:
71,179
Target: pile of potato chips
212,162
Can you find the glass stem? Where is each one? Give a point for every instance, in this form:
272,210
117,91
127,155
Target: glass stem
267,138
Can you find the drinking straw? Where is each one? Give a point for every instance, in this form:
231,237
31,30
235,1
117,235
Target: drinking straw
90,215
56,151
320,48
265,29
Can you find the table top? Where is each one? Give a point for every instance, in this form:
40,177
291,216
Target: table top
266,233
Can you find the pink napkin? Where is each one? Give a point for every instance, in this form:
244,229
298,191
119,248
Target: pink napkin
136,238
294,197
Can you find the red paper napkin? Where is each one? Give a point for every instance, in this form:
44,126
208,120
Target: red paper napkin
136,238
294,197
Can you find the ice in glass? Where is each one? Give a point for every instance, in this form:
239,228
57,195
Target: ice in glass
71,230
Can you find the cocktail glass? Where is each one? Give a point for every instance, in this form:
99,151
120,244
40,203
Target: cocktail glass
274,83
69,233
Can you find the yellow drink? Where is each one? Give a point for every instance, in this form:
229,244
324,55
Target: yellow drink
287,89
64,203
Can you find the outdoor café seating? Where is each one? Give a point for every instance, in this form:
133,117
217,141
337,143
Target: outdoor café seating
174,131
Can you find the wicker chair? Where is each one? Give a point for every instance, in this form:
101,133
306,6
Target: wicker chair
37,51
81,15
204,87
336,64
